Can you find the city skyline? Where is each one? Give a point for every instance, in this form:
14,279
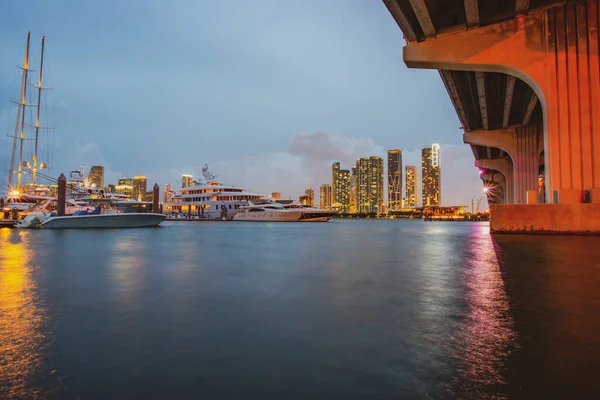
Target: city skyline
352,65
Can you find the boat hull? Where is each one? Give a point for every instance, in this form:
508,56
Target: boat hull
312,216
104,221
286,216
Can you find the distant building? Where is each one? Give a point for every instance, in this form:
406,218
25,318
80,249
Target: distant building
309,193
352,190
276,196
111,188
168,194
96,176
340,188
369,180
125,186
432,176
303,200
148,196
140,186
186,180
412,190
394,179
325,196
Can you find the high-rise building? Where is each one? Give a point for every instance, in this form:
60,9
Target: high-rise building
168,194
353,190
369,189
340,188
412,190
335,175
96,176
309,193
276,196
325,196
431,175
140,184
125,186
186,180
394,179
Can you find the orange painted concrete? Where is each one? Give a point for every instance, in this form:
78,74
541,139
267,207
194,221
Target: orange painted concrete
556,52
580,218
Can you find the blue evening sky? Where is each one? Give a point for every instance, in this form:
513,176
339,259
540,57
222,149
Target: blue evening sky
268,92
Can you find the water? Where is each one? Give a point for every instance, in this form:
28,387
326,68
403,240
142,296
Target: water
374,309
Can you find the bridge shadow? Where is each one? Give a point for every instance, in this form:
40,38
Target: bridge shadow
552,286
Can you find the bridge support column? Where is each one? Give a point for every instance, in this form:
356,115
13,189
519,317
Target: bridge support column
505,167
555,51
523,145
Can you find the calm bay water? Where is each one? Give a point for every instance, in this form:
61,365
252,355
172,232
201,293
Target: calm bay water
348,309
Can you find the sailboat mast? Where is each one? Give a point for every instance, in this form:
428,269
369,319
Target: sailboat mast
37,118
23,105
11,171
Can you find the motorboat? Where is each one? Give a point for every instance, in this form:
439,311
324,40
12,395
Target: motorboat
267,213
310,214
101,217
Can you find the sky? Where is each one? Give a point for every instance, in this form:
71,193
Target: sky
267,92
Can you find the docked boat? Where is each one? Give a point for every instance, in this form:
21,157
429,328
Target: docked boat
99,218
270,212
310,214
209,199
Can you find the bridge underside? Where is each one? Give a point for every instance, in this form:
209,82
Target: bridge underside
524,78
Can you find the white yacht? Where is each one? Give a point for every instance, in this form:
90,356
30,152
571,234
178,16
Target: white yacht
310,214
208,199
268,212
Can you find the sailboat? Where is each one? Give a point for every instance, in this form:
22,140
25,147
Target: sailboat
22,195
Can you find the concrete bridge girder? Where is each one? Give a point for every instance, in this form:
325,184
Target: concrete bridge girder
522,145
555,51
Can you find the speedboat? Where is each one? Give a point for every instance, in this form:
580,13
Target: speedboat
267,212
100,218
310,214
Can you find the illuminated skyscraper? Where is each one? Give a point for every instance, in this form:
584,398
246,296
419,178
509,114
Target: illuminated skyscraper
186,180
140,184
353,190
432,176
276,196
411,199
168,194
394,179
96,176
340,188
325,196
125,186
309,193
369,180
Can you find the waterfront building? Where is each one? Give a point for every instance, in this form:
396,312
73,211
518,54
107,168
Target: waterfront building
394,179
276,196
96,176
369,180
309,193
340,188
432,176
325,196
124,186
111,188
168,194
140,184
186,180
353,190
411,199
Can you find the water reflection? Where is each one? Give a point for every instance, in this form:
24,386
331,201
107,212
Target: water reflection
487,331
21,317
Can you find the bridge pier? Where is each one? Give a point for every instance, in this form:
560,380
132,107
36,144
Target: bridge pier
554,51
505,167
